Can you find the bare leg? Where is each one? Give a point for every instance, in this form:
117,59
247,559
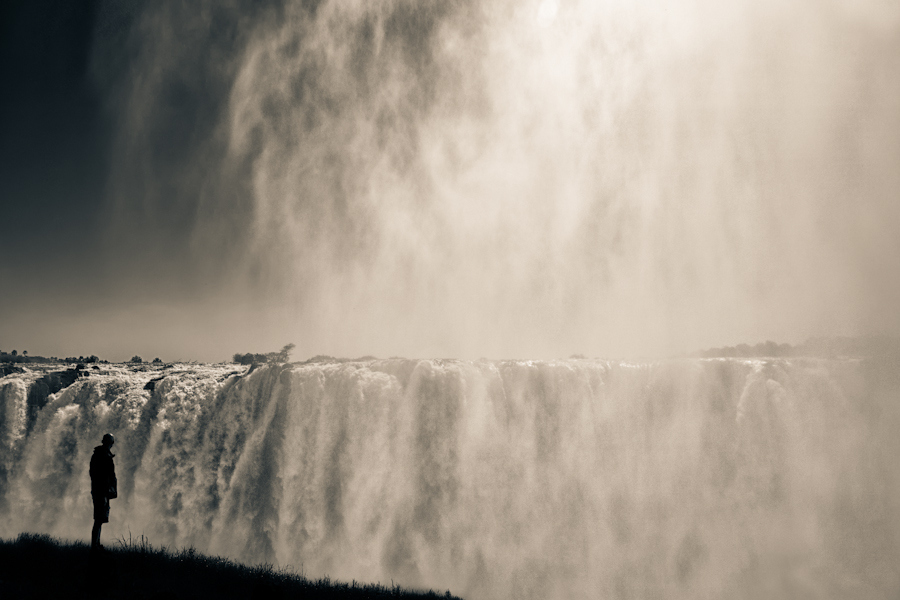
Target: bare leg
95,535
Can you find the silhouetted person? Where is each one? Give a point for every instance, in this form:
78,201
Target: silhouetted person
103,486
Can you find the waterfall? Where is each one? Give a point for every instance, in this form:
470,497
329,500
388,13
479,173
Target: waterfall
496,479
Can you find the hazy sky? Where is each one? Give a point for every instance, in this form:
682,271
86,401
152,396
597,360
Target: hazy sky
506,178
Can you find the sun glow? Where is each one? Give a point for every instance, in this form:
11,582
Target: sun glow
546,13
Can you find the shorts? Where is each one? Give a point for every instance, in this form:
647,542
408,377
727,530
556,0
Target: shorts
101,508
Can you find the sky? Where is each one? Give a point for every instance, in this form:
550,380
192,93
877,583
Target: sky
502,179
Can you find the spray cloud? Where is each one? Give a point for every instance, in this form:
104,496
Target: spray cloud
522,179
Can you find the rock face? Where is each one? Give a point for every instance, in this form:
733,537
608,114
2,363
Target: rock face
43,387
151,385
9,369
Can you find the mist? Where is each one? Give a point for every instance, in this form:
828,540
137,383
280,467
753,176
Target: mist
502,179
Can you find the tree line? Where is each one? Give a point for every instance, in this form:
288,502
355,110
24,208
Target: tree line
14,357
251,358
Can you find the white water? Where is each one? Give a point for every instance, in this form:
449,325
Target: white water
568,479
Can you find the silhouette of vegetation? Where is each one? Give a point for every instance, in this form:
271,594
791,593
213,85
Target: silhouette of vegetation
38,566
93,358
136,359
157,360
825,347
285,353
14,357
250,358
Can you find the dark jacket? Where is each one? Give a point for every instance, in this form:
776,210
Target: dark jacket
103,473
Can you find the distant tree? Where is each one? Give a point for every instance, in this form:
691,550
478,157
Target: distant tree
284,354
251,358
136,359
25,352
14,353
92,358
156,360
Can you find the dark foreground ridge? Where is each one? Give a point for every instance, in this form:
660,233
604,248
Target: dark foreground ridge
38,566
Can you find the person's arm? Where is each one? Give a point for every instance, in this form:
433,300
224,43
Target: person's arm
94,472
113,482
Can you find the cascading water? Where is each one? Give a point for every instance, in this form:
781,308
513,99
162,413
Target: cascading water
495,479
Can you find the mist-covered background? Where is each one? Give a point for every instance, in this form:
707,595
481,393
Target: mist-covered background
447,178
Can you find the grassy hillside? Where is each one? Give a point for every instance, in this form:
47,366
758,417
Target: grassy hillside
37,566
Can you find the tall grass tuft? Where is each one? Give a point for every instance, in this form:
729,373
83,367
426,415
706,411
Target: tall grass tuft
38,566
